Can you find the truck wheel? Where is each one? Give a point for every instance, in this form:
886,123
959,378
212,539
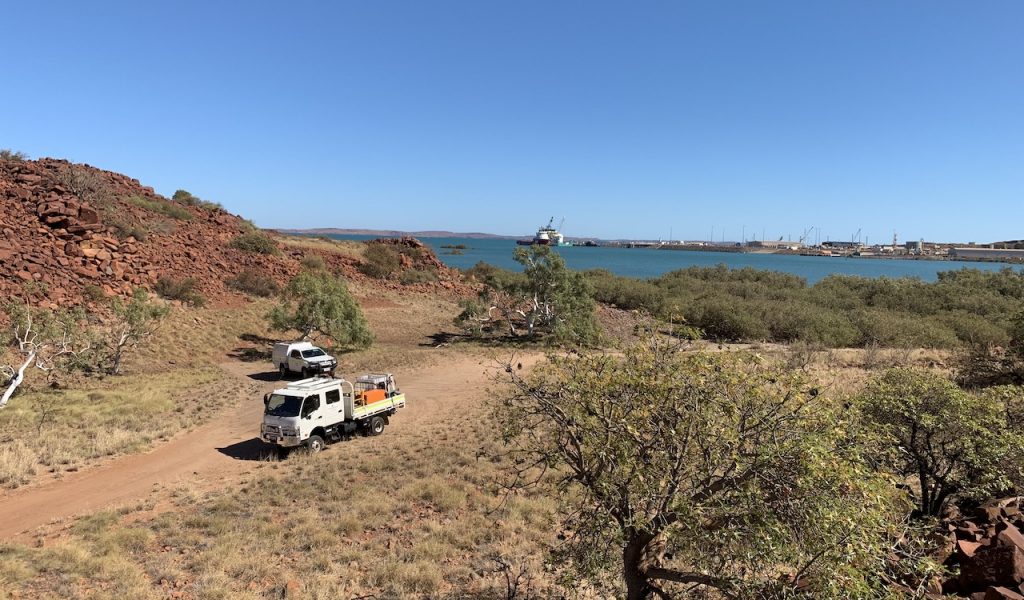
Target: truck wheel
315,444
305,373
376,426
282,372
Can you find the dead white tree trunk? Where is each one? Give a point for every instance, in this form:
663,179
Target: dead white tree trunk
16,379
47,347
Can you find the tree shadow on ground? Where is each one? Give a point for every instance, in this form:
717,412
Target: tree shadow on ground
251,449
266,376
252,338
246,354
447,338
443,338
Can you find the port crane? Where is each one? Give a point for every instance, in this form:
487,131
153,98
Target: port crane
807,232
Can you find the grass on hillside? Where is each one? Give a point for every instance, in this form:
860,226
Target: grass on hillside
350,248
163,207
59,431
54,431
407,516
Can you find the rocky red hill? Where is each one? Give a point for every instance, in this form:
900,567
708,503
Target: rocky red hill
74,229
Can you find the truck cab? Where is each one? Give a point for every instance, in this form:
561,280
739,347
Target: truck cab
312,412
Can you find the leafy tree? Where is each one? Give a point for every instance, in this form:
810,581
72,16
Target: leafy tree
318,302
132,323
559,299
951,441
698,474
546,298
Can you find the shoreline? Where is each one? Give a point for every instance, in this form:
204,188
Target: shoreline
923,257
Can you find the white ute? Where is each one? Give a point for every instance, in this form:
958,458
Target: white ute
303,358
312,412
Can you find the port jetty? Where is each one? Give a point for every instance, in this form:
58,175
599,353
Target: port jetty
1011,251
1008,252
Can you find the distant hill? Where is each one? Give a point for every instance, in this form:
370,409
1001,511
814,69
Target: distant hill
396,233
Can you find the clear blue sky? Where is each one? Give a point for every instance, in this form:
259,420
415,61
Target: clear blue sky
628,119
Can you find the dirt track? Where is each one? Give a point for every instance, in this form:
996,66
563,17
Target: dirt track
215,454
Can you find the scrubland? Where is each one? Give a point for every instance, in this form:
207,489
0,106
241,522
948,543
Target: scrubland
416,513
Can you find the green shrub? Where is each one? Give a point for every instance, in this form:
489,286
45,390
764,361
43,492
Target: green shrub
899,330
124,230
495,277
411,276
974,330
186,198
313,262
256,242
380,261
728,319
962,308
473,318
254,283
162,207
162,227
955,443
802,321
1011,398
627,293
95,293
8,154
183,290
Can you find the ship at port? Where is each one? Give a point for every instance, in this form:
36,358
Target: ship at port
547,236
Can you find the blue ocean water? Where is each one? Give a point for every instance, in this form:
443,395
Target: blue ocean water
650,262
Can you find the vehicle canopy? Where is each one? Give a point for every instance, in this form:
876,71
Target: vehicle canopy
284,348
294,345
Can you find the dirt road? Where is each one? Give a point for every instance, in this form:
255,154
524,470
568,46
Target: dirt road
217,453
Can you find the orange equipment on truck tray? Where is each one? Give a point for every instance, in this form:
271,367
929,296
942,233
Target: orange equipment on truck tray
371,396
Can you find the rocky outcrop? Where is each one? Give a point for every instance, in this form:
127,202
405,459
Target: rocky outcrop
70,227
988,550
74,229
414,254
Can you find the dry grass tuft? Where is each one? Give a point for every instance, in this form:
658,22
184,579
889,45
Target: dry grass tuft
349,248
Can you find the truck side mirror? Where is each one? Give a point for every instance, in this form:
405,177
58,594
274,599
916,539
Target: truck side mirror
266,399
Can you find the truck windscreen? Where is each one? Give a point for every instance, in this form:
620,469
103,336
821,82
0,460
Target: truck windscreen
312,353
283,406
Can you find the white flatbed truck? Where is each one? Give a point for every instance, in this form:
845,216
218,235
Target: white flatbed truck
313,412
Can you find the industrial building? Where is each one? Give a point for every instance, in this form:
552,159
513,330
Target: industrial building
775,244
977,253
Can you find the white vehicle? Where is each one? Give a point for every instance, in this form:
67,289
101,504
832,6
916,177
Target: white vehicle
318,410
303,358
